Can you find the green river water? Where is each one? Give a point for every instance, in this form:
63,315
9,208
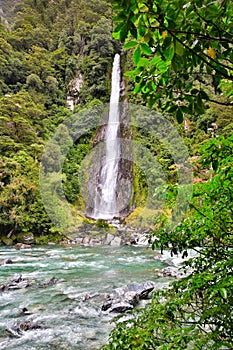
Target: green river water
68,321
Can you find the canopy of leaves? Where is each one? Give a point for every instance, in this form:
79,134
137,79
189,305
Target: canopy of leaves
179,47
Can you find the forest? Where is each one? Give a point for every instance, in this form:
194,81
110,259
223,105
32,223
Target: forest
177,61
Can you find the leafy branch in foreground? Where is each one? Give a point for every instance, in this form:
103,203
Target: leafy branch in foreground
196,311
180,48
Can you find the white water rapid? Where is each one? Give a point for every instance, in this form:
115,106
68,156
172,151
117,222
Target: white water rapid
105,197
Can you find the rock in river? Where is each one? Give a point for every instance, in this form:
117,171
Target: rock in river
126,297
17,282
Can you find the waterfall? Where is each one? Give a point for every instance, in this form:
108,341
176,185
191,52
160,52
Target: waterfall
105,206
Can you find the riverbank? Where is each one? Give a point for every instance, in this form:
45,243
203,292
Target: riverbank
102,233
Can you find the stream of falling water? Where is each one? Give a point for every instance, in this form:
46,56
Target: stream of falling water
105,198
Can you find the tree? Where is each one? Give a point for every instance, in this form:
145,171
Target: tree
179,48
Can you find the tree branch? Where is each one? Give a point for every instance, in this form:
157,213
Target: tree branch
198,55
229,104
203,36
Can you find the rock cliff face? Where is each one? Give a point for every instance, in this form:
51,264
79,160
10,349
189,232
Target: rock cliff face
73,91
7,12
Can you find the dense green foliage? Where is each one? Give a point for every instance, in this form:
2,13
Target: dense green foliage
179,48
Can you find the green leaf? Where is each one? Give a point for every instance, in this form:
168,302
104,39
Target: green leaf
200,108
155,60
179,116
137,55
143,7
146,49
130,73
204,95
194,91
137,89
116,35
172,109
143,62
142,30
223,293
148,36
179,48
124,32
121,16
133,31
118,27
130,44
169,53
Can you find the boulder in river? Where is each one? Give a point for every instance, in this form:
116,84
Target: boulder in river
6,262
126,297
170,272
54,280
22,327
19,246
17,282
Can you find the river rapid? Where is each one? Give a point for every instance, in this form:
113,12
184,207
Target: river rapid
69,312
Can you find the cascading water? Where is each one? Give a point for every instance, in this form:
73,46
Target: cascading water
105,198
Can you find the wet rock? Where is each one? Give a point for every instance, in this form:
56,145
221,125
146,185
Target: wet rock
25,311
126,297
3,288
17,282
18,285
19,246
90,334
87,296
107,305
28,239
142,289
81,240
20,328
6,262
170,272
54,280
95,242
116,242
17,278
121,307
109,238
86,240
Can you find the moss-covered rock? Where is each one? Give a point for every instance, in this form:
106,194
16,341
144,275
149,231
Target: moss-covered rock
7,241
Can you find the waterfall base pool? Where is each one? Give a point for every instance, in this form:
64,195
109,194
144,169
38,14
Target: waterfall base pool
69,312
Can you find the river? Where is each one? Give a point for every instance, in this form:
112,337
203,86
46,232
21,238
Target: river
68,320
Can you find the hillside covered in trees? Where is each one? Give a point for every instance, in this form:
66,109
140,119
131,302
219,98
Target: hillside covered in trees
46,45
